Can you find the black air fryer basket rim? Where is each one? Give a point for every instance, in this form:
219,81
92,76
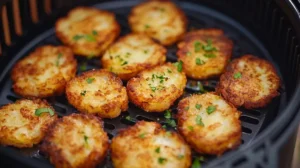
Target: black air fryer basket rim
285,123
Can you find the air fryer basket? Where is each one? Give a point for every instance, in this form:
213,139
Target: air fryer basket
266,28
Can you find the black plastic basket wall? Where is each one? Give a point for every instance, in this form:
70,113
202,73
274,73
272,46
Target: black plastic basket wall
274,23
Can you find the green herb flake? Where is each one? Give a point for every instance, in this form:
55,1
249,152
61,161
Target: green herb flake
90,80
83,93
128,118
199,121
191,128
237,75
210,109
168,114
39,111
146,51
85,139
94,32
179,65
188,53
196,163
171,122
142,135
162,9
153,88
209,55
199,61
200,87
197,46
58,58
169,71
180,156
90,38
198,106
157,150
187,108
164,127
83,67
147,26
161,160
77,37
124,63
209,46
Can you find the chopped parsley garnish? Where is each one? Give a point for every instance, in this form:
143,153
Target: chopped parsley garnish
124,63
157,150
94,32
169,71
197,46
187,108
161,160
198,106
142,135
237,75
58,58
199,61
86,139
83,67
210,109
90,80
191,128
209,46
200,87
179,65
127,54
77,37
145,51
209,55
88,37
199,121
168,114
128,118
147,26
180,156
171,122
83,93
188,53
196,163
153,88
39,111
164,126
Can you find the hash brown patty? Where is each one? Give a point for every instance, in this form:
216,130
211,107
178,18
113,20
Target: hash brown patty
249,81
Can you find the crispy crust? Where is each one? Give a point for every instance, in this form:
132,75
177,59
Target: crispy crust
130,150
105,96
141,93
221,130
66,146
139,52
20,127
38,75
257,86
161,20
83,21
213,66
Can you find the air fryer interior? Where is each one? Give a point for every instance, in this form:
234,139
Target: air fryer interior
256,27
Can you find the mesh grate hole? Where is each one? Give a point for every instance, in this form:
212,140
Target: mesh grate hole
109,126
110,136
12,98
143,118
239,162
246,130
59,109
249,120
